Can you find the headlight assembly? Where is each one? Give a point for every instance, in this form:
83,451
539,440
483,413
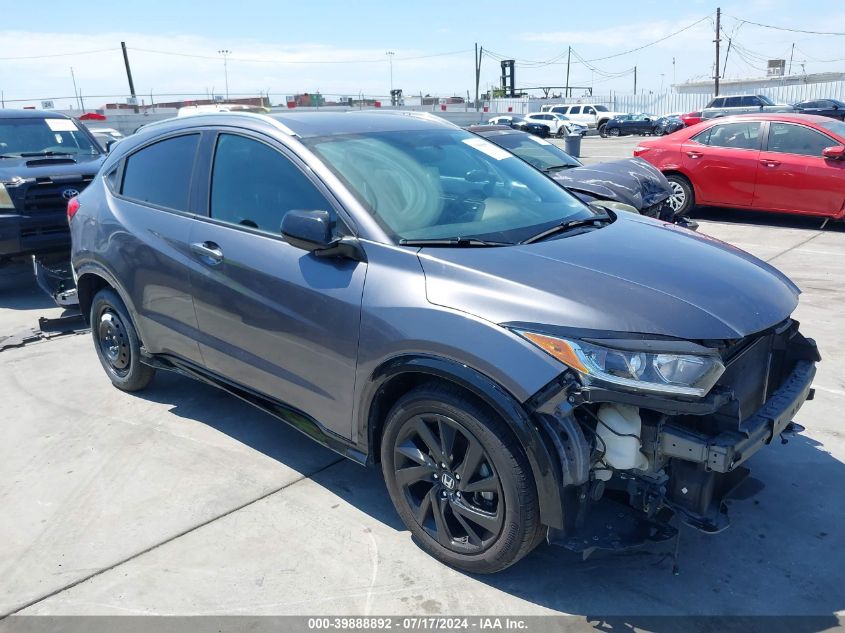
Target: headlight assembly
673,374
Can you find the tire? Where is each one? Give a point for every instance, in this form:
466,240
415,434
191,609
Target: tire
117,343
481,522
682,199
603,130
614,131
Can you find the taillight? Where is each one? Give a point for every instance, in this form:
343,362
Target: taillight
72,208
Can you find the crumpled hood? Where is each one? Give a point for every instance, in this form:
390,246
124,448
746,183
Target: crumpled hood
635,275
631,181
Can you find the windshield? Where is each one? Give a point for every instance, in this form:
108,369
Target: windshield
43,136
766,100
535,151
444,184
601,108
837,127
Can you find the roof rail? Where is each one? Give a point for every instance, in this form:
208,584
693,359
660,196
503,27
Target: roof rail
417,114
251,115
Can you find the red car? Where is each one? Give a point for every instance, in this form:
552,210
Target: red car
790,163
691,118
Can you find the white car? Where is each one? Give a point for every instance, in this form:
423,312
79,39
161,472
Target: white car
559,125
592,115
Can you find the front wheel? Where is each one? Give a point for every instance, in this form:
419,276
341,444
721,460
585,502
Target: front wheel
682,199
603,130
614,131
459,480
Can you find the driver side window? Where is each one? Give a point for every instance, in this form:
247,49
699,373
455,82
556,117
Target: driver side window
254,185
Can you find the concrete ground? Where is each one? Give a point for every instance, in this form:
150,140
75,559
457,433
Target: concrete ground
183,500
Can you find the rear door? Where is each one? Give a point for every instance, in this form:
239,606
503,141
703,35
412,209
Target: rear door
722,162
274,318
794,176
150,254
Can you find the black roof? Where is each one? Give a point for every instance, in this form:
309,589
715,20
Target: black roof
31,114
305,124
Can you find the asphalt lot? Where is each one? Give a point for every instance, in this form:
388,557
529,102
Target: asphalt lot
183,500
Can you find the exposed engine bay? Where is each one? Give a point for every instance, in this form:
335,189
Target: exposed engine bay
632,462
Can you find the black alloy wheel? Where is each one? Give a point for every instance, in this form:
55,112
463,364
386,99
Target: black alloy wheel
459,479
449,482
614,131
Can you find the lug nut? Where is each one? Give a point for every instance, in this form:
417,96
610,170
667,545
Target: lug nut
457,477
442,465
458,494
443,494
435,475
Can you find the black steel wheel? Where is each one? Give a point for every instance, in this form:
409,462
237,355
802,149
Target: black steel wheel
459,480
116,342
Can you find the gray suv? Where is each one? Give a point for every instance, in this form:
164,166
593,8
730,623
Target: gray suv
521,365
742,104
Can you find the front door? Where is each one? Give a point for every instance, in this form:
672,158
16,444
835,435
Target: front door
274,318
722,162
795,177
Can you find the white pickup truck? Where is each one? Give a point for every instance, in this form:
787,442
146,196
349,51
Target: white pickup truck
593,115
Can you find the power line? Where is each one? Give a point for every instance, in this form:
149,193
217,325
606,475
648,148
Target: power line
783,28
379,60
101,50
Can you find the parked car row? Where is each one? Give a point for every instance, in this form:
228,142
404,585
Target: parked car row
523,366
555,124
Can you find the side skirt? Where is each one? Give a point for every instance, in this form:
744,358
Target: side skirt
280,410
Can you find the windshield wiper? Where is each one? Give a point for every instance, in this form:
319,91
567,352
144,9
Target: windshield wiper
453,241
556,167
568,225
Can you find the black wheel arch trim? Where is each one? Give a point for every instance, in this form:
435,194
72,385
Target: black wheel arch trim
93,268
530,436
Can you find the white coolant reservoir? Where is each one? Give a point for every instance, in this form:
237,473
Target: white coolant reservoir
620,433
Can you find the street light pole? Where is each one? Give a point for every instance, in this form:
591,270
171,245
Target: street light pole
225,53
390,59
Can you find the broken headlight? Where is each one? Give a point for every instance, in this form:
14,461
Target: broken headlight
668,373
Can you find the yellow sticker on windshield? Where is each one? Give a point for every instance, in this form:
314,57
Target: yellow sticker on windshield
493,151
61,125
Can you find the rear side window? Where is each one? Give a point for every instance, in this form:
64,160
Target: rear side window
797,139
744,135
254,185
575,110
160,174
733,102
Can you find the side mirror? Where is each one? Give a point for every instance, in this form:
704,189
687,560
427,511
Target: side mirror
308,230
837,151
312,231
109,144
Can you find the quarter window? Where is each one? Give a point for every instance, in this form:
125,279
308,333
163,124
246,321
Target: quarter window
160,173
744,135
254,185
797,139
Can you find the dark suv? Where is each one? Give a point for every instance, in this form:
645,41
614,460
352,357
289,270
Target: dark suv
46,158
405,292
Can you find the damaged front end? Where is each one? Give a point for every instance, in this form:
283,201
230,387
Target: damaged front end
631,458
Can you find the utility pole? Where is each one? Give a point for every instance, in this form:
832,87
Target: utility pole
478,54
225,53
717,40
635,80
390,60
75,91
129,76
568,57
790,58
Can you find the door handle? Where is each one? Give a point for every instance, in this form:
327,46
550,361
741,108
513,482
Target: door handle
209,252
769,163
694,154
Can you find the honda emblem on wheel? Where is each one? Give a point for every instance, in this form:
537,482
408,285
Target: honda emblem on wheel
448,481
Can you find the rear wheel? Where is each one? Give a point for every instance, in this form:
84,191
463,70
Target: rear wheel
117,343
682,199
459,480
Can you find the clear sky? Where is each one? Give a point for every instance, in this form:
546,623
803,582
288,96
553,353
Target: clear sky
282,47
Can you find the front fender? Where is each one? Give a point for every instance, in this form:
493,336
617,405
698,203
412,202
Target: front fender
531,438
